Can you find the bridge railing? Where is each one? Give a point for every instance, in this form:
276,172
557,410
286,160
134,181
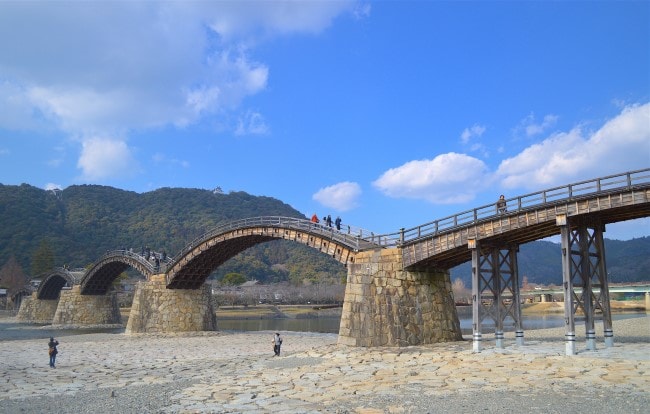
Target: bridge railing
128,253
530,201
349,235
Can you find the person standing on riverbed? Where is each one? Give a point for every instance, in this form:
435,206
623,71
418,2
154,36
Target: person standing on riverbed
277,342
52,351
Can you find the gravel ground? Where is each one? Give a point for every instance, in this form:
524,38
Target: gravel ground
233,373
153,399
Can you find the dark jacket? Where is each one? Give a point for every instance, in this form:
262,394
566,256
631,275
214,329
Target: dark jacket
52,345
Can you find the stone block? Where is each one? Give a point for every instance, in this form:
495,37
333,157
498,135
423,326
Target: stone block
34,310
77,309
402,308
158,309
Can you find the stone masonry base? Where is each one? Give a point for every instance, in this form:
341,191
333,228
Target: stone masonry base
77,309
386,305
34,310
158,309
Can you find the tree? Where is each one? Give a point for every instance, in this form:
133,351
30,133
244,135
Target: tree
233,279
119,279
461,293
12,276
42,259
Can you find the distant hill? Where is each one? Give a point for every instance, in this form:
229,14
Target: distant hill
82,222
541,262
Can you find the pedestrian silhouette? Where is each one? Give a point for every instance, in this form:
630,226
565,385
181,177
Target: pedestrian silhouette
277,343
501,205
52,351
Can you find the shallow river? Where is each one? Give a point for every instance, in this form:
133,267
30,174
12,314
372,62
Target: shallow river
331,324
14,331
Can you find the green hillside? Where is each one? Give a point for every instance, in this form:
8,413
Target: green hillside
80,223
77,225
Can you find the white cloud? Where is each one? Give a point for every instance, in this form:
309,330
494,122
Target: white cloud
201,99
362,11
108,68
448,178
251,123
102,158
531,127
342,196
621,144
238,20
17,110
469,133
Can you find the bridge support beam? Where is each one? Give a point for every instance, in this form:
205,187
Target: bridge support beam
34,310
495,291
585,283
77,309
386,305
158,309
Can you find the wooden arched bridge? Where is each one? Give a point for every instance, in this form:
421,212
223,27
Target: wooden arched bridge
194,263
408,269
98,279
50,286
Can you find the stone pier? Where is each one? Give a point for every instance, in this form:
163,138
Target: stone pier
34,310
386,305
77,309
158,309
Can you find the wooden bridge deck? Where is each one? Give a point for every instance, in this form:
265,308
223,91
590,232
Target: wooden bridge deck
450,248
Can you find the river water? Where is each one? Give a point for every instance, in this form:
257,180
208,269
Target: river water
10,330
331,324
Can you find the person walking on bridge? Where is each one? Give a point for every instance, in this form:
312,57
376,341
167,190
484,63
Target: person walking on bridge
501,204
314,221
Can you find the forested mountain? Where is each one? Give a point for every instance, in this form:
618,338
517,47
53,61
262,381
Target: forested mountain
80,223
77,225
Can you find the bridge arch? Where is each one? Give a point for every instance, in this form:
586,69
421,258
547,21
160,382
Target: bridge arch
191,267
51,286
101,275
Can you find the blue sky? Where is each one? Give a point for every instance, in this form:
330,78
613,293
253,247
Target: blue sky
390,114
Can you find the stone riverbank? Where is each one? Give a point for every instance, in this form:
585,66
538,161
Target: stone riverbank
219,372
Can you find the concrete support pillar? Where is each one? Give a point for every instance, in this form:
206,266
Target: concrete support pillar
386,305
519,337
34,310
158,309
77,309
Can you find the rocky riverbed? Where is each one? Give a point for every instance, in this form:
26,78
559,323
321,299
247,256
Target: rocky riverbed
218,372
